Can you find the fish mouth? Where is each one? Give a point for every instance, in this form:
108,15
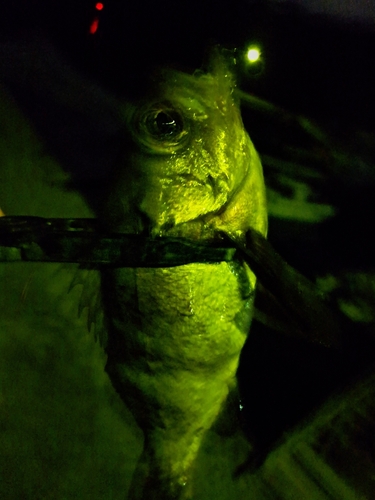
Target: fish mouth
207,226
209,223
197,229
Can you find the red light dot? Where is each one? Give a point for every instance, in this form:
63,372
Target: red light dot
99,6
94,26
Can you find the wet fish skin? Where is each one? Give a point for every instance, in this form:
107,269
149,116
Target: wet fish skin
175,335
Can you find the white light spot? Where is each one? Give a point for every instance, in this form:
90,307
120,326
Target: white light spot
253,54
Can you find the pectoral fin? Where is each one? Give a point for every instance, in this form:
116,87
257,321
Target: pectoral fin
287,300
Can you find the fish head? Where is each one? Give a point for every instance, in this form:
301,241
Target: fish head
192,169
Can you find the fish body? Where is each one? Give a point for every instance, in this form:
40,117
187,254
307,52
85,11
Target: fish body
175,335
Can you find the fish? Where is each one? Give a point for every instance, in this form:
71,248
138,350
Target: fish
175,334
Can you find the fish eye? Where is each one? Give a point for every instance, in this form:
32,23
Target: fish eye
164,124
161,128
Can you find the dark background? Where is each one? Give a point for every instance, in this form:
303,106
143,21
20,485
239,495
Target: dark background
316,64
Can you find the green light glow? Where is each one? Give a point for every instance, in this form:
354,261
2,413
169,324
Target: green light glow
253,54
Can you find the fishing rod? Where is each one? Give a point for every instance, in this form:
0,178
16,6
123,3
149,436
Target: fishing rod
37,239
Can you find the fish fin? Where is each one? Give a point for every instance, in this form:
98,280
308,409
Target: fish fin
299,305
91,287
95,320
90,298
78,278
270,313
